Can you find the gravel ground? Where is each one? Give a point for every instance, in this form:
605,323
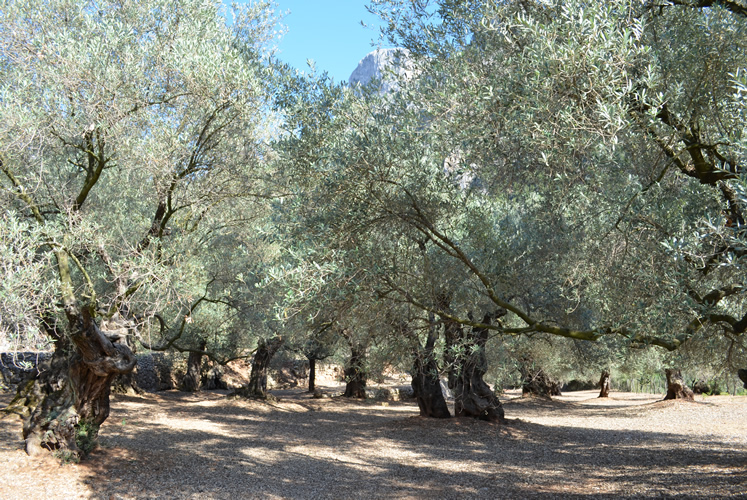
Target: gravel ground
197,446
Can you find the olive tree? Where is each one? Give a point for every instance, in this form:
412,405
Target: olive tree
623,122
131,144
363,165
563,162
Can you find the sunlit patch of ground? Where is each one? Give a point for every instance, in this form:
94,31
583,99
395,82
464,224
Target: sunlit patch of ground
178,445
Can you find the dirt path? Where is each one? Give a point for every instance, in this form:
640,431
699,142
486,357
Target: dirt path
178,445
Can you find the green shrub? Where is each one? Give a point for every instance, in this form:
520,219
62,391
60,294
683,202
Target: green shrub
86,436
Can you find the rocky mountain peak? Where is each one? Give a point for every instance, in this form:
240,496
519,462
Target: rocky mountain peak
384,66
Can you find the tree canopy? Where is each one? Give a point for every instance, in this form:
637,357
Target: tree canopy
544,173
556,159
134,152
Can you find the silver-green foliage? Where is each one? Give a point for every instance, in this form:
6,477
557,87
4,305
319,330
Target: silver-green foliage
570,162
132,140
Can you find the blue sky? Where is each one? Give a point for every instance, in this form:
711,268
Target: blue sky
329,32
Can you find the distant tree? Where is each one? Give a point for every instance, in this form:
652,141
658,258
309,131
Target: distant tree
257,385
319,347
193,377
676,386
356,371
604,384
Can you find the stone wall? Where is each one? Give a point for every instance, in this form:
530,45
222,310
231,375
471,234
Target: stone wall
17,367
161,371
164,371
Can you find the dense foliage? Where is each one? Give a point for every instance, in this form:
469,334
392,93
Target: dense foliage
133,155
543,174
579,166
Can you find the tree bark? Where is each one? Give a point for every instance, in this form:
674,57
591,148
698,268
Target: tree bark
426,384
118,329
355,374
127,384
604,384
312,374
454,337
192,379
64,406
535,382
257,387
700,387
676,386
472,396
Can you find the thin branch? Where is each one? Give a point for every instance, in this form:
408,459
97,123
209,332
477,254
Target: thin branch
21,192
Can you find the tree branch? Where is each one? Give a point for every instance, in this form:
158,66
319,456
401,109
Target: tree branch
730,5
21,192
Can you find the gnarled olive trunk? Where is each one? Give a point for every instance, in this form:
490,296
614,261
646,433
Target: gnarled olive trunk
465,357
355,373
676,386
257,386
118,329
127,383
535,382
472,396
193,377
604,384
426,384
64,406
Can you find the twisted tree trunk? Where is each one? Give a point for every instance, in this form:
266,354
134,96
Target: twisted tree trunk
472,396
604,384
191,380
676,386
64,406
118,329
535,382
257,386
425,381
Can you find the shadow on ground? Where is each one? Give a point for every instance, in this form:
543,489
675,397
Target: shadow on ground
178,445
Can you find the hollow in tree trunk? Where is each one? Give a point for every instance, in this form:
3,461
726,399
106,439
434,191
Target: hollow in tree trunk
425,381
257,386
604,384
64,406
472,396
355,374
191,380
118,329
743,376
676,386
